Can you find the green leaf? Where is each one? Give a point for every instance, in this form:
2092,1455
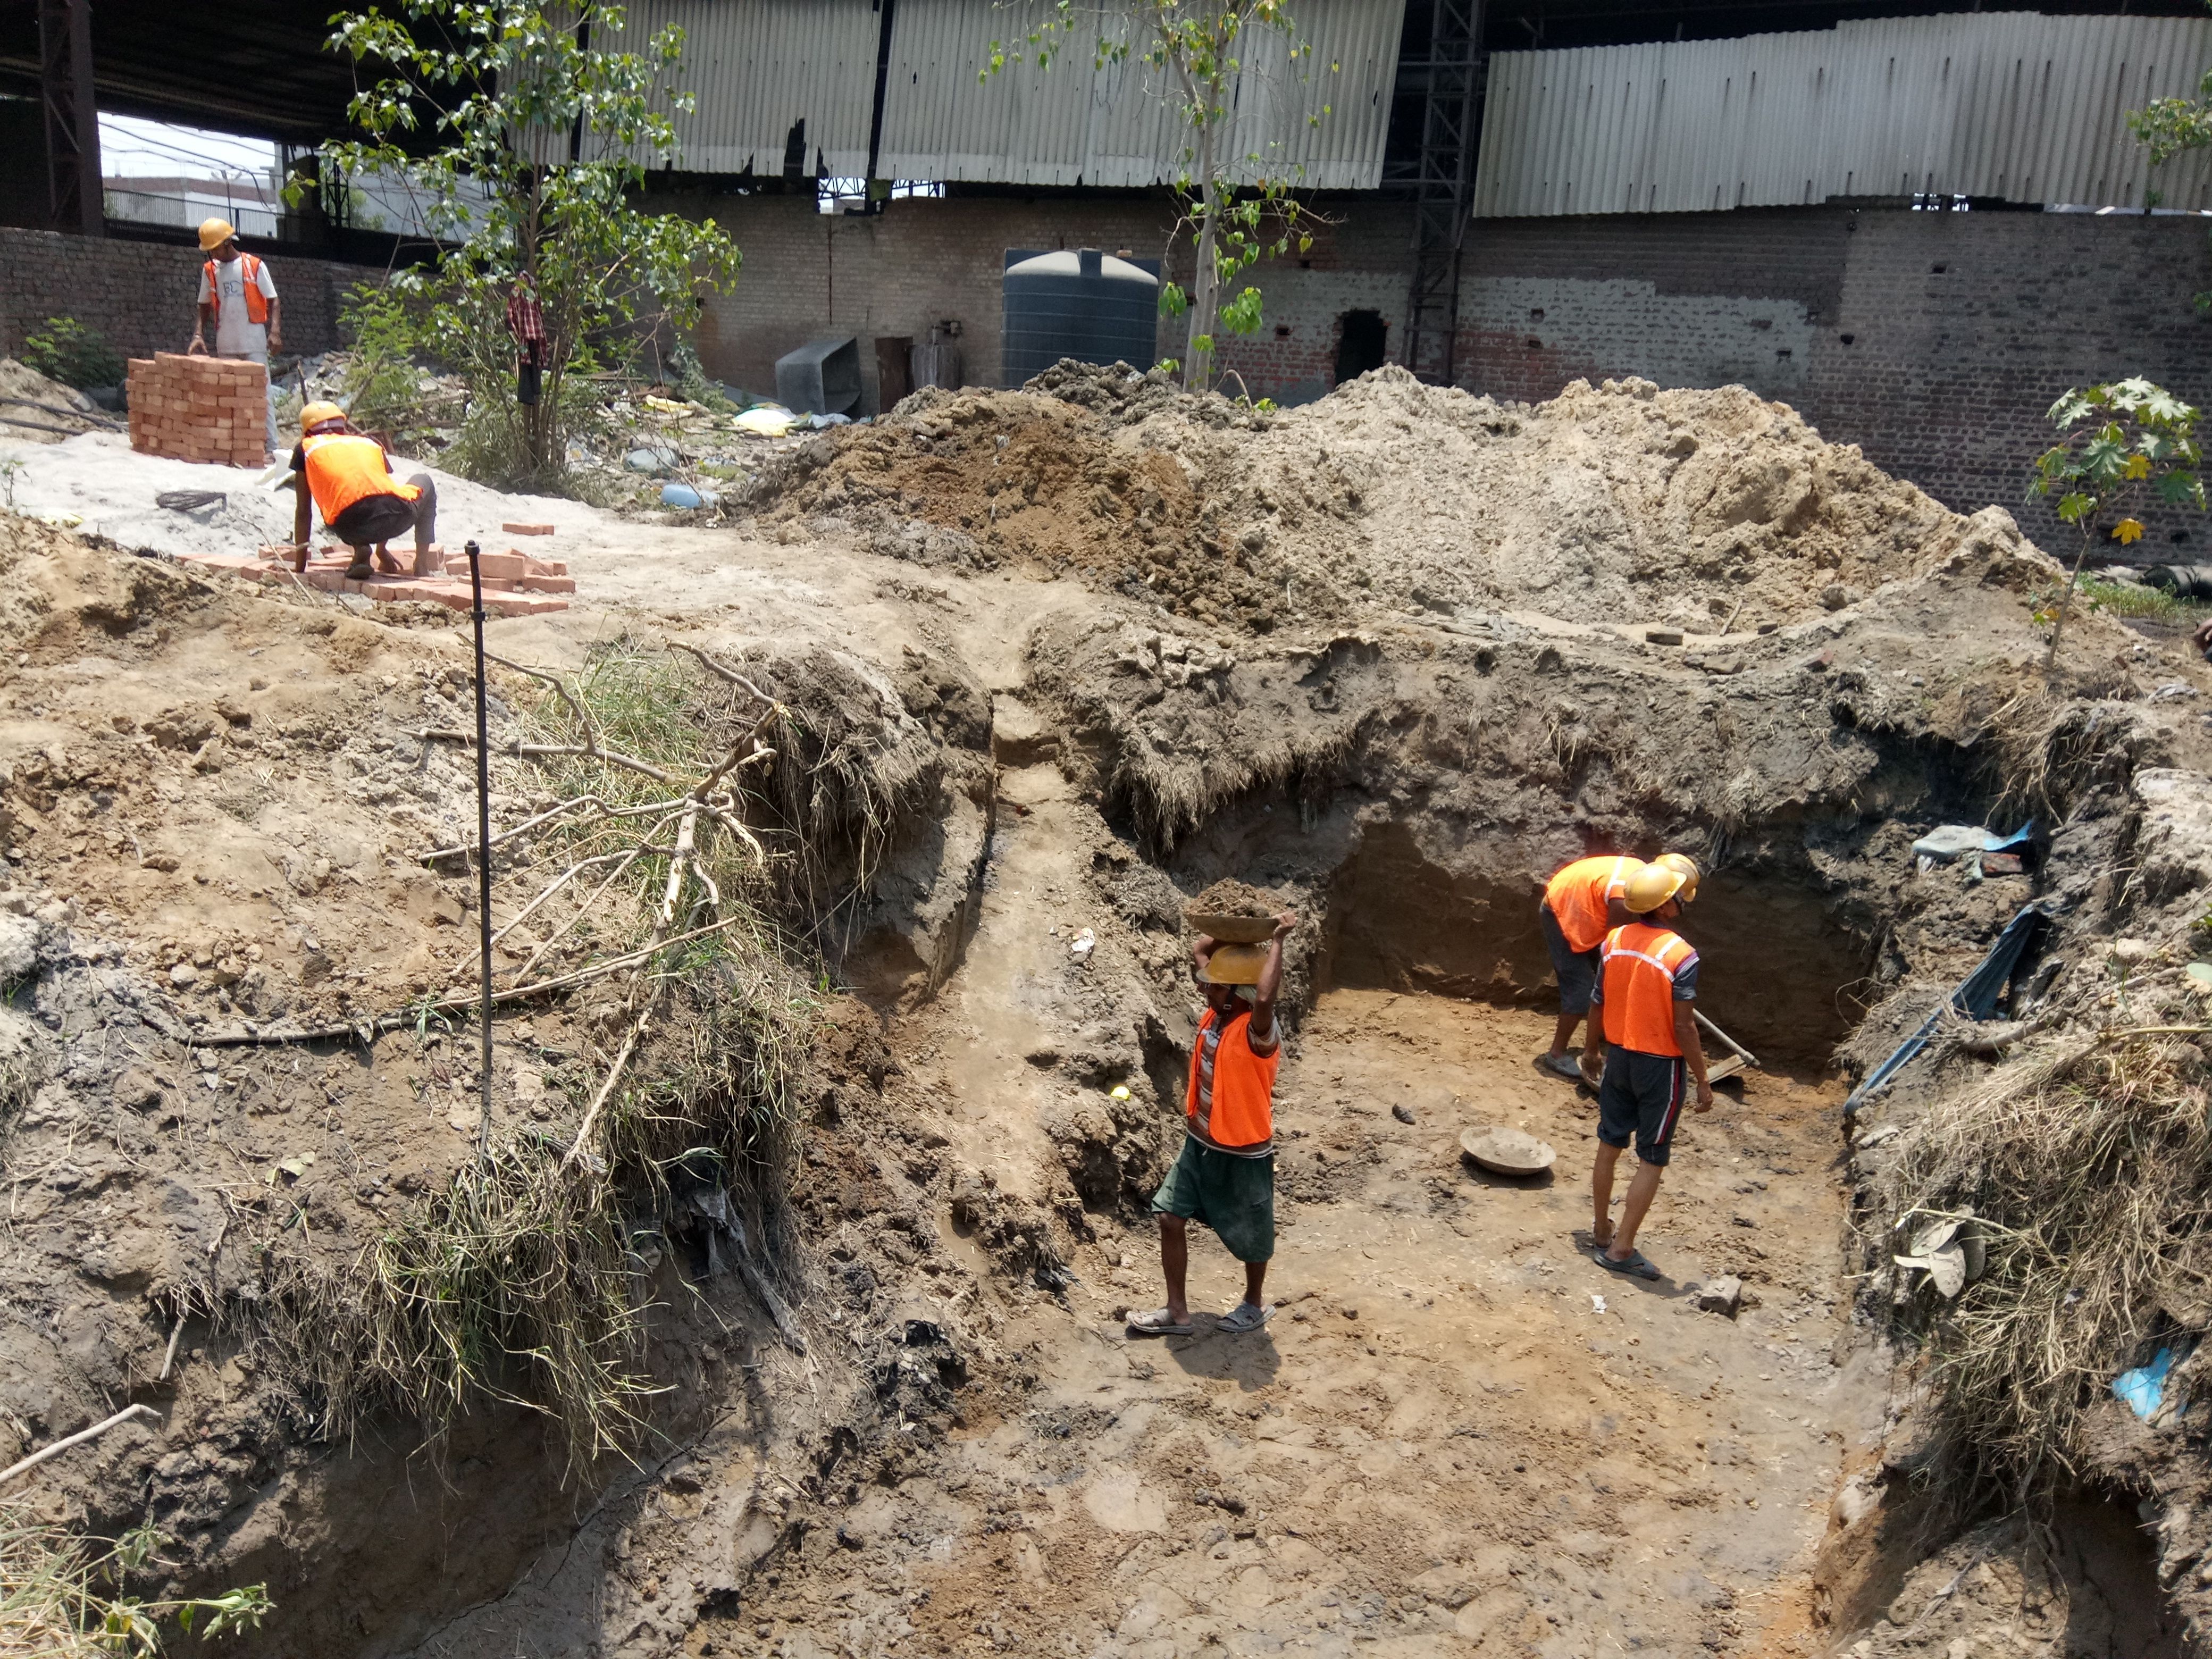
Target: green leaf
2076,507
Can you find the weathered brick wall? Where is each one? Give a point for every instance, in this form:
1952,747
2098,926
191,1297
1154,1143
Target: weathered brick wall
140,294
1957,332
1933,341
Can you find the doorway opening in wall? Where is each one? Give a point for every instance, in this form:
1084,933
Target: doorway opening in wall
1362,338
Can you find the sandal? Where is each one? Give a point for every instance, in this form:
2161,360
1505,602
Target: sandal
1159,1323
1244,1317
1560,1065
1632,1264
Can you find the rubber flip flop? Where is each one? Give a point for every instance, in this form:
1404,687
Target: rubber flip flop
1157,1323
1563,1065
1632,1264
1243,1317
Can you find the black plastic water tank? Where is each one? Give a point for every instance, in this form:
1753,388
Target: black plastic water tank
1082,304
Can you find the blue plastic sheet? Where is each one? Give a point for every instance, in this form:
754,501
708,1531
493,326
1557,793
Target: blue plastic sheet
1976,997
2142,1390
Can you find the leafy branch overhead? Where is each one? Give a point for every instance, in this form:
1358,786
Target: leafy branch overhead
1202,60
540,126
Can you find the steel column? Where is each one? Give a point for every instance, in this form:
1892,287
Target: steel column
1443,185
73,183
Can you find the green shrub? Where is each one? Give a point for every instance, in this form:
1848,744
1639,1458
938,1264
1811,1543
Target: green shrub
66,350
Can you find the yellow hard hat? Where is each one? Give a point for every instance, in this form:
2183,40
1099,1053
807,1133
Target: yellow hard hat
315,415
1236,964
213,232
1688,868
1652,887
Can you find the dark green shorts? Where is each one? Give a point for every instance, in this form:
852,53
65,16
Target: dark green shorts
1235,1196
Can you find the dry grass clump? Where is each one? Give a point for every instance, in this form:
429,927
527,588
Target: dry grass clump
526,1278
2089,1165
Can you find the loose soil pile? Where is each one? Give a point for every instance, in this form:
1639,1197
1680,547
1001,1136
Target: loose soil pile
1704,508
1231,897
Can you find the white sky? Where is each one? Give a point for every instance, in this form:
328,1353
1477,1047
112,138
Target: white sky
134,149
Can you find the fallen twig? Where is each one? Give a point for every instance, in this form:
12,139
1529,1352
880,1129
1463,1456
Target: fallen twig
725,673
24,1465
528,825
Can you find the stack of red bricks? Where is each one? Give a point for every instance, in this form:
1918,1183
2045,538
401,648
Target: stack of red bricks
514,583
200,408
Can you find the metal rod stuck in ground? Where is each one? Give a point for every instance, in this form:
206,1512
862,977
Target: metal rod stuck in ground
483,859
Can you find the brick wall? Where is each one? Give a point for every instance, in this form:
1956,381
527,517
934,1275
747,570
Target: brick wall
140,294
1941,375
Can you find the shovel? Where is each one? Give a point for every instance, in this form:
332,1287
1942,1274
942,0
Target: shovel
1739,1059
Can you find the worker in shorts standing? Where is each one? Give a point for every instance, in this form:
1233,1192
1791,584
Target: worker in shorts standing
239,298
347,476
1647,990
1224,1175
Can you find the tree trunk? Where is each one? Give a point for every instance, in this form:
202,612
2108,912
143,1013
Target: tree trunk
1204,290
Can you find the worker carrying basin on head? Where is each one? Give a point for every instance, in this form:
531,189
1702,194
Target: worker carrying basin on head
1581,904
238,300
1224,1175
1646,992
347,476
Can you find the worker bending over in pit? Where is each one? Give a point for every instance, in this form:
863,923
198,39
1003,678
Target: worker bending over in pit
238,301
1581,905
347,476
1647,989
1224,1175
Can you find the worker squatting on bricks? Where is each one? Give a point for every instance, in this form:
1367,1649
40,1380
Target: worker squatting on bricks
347,476
1646,990
1225,1174
1581,904
239,298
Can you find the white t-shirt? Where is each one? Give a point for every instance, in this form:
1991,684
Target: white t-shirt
234,336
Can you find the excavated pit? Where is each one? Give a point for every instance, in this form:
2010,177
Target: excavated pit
1423,683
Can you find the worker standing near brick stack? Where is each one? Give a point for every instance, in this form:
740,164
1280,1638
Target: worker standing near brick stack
238,297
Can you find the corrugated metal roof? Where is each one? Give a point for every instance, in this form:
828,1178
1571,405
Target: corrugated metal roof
756,67
1077,124
2016,105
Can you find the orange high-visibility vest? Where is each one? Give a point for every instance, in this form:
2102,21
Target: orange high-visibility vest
1639,962
1577,897
1243,1112
344,467
257,302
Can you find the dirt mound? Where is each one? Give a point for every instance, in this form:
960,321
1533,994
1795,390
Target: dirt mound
1230,897
1613,503
37,411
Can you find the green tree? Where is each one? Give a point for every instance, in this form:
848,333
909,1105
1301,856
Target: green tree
1237,208
2168,126
539,131
2120,445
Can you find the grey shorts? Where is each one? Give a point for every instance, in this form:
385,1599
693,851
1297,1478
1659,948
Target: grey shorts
1577,969
1640,1096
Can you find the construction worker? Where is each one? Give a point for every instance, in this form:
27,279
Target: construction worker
1224,1175
1580,905
348,477
239,298
1647,986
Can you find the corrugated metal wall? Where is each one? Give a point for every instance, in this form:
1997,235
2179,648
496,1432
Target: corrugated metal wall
756,67
2016,105
1074,123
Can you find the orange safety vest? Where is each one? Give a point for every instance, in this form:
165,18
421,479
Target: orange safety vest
344,467
1243,1085
257,302
1577,897
1638,963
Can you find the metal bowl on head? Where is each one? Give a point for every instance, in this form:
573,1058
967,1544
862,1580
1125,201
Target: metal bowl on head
1507,1152
1232,930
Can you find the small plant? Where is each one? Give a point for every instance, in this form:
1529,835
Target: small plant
66,350
2121,445
381,383
62,1596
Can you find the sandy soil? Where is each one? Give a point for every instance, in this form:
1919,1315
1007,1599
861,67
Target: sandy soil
1457,1435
